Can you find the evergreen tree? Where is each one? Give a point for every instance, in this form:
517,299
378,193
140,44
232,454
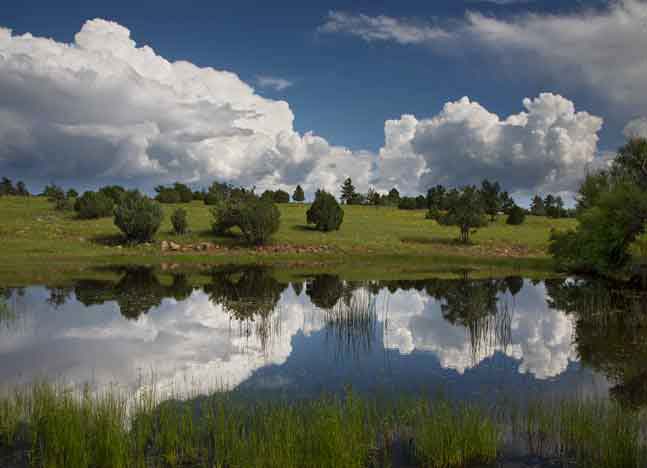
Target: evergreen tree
348,193
393,198
490,193
298,195
6,187
537,207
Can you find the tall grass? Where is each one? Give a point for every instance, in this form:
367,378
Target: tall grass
49,426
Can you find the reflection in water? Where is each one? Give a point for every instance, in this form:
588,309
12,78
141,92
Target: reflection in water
245,327
611,337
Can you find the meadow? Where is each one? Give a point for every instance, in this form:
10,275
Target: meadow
38,241
53,427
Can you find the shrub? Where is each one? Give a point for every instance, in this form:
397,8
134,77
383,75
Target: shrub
517,216
63,204
93,205
433,213
325,213
115,192
138,217
71,193
53,193
465,210
298,195
179,221
257,218
167,195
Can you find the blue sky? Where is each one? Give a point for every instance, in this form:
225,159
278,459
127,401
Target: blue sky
343,86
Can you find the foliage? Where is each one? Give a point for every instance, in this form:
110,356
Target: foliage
177,193
94,205
7,188
412,203
257,218
138,217
325,212
180,222
537,207
516,216
276,196
393,198
221,192
53,192
71,193
348,193
436,198
490,196
465,210
298,196
115,192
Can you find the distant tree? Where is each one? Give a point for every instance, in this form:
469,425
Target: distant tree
167,195
554,206
281,196
507,203
94,205
199,195
465,211
115,192
393,198
179,222
6,187
348,193
537,207
372,197
185,192
421,202
436,198
21,189
490,193
298,196
407,203
516,216
53,192
71,193
325,213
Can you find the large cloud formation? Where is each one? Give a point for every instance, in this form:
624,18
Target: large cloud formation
102,109
548,146
103,106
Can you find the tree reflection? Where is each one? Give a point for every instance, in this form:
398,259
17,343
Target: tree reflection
325,290
611,332
136,292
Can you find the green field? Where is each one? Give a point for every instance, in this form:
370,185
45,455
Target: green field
37,241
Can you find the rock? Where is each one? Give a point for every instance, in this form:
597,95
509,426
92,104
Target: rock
164,246
174,246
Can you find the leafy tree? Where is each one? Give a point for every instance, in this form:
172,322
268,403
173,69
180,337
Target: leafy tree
21,189
408,203
185,193
138,217
465,211
115,192
516,216
94,205
53,192
436,198
199,195
631,163
71,193
6,187
348,193
179,221
298,196
325,291
393,198
507,203
167,195
491,196
257,218
372,197
537,207
325,213
590,190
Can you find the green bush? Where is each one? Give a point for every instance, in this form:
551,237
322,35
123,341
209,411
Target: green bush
517,216
94,205
325,213
258,219
138,217
179,221
63,204
115,192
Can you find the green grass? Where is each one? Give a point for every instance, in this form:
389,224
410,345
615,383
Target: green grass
49,426
37,240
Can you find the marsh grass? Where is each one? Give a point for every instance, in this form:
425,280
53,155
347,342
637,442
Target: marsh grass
51,426
352,323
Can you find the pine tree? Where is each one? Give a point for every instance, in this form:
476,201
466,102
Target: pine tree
348,194
298,195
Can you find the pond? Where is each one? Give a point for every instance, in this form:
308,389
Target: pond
243,329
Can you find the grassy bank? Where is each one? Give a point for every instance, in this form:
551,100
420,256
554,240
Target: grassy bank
378,240
46,426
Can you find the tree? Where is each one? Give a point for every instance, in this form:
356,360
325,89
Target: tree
138,217
257,218
490,194
507,203
372,197
298,196
436,198
325,213
6,187
71,193
21,189
94,205
465,211
115,192
612,214
348,192
185,192
281,196
393,198
537,207
179,222
167,195
516,216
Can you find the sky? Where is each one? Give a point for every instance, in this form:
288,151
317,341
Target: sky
272,94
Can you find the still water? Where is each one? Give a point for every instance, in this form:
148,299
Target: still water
243,329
